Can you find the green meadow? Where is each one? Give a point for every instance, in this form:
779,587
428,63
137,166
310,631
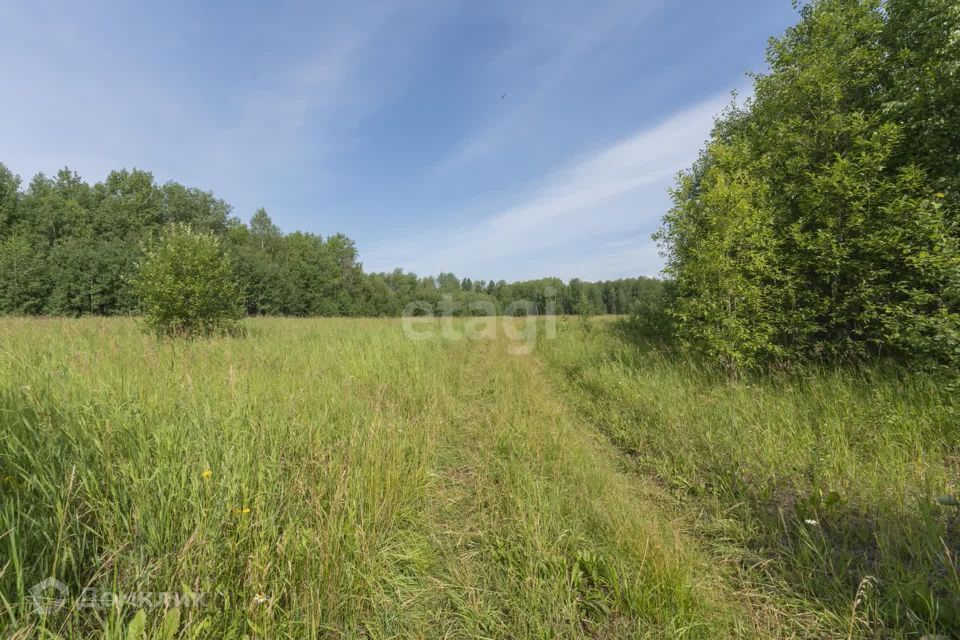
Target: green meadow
338,478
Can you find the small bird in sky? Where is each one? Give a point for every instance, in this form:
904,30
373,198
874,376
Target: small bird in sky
503,96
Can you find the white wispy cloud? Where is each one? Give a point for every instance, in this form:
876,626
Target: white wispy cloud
553,42
300,115
578,214
299,101
85,95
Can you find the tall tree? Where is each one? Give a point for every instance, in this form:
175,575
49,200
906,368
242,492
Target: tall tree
812,225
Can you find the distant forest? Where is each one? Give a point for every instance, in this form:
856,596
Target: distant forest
69,248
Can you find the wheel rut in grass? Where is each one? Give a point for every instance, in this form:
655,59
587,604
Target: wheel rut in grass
537,530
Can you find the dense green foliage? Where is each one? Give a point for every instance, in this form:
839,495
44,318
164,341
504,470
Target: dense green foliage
185,284
821,219
69,248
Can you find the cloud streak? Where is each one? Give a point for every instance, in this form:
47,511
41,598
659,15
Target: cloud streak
89,95
617,191
496,139
555,42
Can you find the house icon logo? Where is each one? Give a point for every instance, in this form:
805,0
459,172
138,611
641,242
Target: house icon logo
49,596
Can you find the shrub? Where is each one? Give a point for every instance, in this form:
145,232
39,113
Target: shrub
186,285
650,316
815,226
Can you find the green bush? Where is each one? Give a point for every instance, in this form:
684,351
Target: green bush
650,314
186,285
817,224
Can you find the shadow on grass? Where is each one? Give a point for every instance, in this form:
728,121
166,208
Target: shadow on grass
830,477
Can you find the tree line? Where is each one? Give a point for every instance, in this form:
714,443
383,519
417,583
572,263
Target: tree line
821,220
71,248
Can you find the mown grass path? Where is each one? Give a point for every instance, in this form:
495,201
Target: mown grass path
321,478
541,533
336,479
827,495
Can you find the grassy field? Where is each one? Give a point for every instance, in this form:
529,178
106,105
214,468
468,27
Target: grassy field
829,495
336,478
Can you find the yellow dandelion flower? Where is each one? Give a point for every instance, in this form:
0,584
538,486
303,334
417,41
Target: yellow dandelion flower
206,474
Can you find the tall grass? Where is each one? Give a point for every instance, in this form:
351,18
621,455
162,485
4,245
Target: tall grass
322,478
333,478
831,491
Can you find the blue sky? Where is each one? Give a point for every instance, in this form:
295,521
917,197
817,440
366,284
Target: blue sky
495,139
